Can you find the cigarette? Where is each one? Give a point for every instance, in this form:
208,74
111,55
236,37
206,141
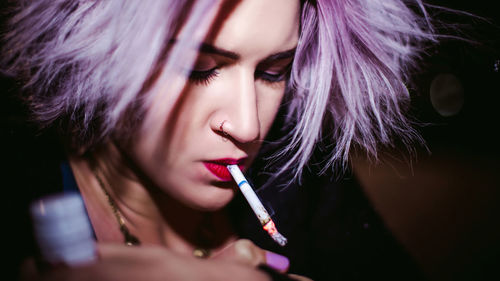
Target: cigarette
257,207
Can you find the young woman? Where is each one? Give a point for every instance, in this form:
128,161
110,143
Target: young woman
152,99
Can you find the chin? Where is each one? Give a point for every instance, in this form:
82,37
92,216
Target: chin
212,201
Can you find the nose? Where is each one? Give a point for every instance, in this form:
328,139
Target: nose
240,118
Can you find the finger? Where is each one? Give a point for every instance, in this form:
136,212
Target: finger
242,251
299,277
116,252
246,252
112,249
277,262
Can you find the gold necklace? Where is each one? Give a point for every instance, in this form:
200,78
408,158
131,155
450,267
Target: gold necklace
129,238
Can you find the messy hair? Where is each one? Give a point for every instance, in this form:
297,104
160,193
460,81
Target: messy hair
85,64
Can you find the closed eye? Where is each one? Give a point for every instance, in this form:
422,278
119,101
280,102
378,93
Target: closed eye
274,76
203,76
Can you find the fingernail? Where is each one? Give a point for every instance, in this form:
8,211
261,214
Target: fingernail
278,262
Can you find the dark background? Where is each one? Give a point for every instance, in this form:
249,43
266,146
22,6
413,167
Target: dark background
473,129
444,205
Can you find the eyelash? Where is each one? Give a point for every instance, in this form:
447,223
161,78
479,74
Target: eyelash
271,78
203,77
206,76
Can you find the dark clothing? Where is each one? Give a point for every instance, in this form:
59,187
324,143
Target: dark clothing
334,232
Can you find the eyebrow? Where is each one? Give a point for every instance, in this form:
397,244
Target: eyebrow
279,56
210,49
207,48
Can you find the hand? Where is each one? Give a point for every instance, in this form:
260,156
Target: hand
149,263
245,252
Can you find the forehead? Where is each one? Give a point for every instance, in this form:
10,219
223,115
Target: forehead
256,27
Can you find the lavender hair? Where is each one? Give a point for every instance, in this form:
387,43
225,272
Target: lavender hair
84,64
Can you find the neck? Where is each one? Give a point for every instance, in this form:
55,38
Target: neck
149,213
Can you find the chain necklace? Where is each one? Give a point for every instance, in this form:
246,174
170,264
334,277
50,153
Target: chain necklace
129,238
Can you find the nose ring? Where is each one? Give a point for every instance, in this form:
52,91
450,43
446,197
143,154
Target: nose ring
221,128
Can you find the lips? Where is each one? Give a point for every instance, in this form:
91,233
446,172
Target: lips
218,167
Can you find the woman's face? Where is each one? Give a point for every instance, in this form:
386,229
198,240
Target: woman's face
237,82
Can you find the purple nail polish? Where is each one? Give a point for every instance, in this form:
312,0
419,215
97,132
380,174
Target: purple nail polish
276,261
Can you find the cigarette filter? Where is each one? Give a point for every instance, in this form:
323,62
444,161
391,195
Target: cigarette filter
257,207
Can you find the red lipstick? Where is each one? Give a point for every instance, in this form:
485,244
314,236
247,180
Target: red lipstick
218,167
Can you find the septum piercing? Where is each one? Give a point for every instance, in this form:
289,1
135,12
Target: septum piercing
221,128
224,134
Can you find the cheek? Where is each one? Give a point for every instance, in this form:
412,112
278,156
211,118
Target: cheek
168,142
155,150
168,165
